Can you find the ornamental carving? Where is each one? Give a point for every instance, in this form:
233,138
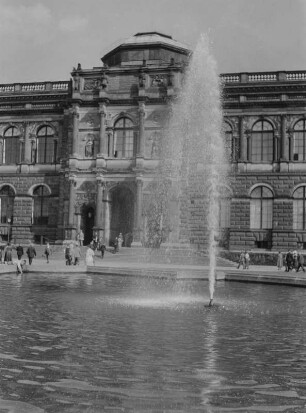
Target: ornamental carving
93,84
84,198
91,119
158,80
153,142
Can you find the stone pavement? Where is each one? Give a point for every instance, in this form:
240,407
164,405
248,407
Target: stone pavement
117,264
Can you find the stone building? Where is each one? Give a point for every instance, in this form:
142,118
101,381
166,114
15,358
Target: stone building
81,154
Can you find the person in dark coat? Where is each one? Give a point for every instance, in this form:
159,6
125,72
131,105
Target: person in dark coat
19,251
300,261
31,253
289,261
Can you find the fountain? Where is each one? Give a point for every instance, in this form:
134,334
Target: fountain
184,206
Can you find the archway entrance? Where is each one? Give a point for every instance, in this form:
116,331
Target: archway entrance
122,215
88,222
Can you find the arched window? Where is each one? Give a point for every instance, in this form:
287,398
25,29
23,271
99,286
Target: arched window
124,139
299,141
299,208
262,138
46,145
261,213
12,149
40,205
229,142
7,196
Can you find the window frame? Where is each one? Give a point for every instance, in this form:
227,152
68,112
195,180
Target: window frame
127,144
296,202
262,207
15,151
261,148
9,204
300,140
48,142
40,202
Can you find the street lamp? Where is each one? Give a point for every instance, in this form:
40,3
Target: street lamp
9,228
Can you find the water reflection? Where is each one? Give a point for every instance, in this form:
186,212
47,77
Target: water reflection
74,343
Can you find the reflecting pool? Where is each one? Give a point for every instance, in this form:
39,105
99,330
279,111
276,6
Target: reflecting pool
78,343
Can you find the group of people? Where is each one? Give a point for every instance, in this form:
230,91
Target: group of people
73,253
6,256
244,260
293,261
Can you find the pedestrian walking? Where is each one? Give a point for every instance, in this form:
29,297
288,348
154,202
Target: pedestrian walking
19,251
90,256
300,261
120,241
101,247
289,261
47,252
241,260
68,255
77,254
246,260
81,238
295,260
8,254
31,253
280,260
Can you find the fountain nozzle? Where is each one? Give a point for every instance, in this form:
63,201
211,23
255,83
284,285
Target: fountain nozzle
210,302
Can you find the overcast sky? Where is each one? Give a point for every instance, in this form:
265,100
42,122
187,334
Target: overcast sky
42,40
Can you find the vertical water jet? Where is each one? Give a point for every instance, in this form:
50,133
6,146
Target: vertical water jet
185,202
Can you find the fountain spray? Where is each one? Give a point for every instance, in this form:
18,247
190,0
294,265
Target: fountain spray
193,166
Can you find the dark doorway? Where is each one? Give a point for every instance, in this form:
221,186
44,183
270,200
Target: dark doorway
88,222
122,214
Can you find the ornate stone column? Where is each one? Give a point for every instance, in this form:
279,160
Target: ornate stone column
110,135
27,144
290,151
243,141
102,132
1,149
235,147
99,217
70,228
75,130
142,113
138,214
284,149
276,147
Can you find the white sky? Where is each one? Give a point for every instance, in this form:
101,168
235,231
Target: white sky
42,40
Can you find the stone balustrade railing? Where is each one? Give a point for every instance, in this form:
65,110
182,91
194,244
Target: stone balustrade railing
61,86
261,77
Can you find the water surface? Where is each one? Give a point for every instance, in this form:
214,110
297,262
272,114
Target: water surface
79,343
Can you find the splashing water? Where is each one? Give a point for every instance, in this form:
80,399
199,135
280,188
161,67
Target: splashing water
186,200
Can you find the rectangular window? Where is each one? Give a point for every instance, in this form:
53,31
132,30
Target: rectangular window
267,147
267,211
11,150
255,213
298,214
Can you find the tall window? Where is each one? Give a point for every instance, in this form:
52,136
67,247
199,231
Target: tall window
12,149
299,208
46,145
124,138
40,205
261,213
7,195
299,141
262,138
229,142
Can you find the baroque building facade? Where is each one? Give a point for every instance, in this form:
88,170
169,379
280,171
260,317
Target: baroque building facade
81,154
